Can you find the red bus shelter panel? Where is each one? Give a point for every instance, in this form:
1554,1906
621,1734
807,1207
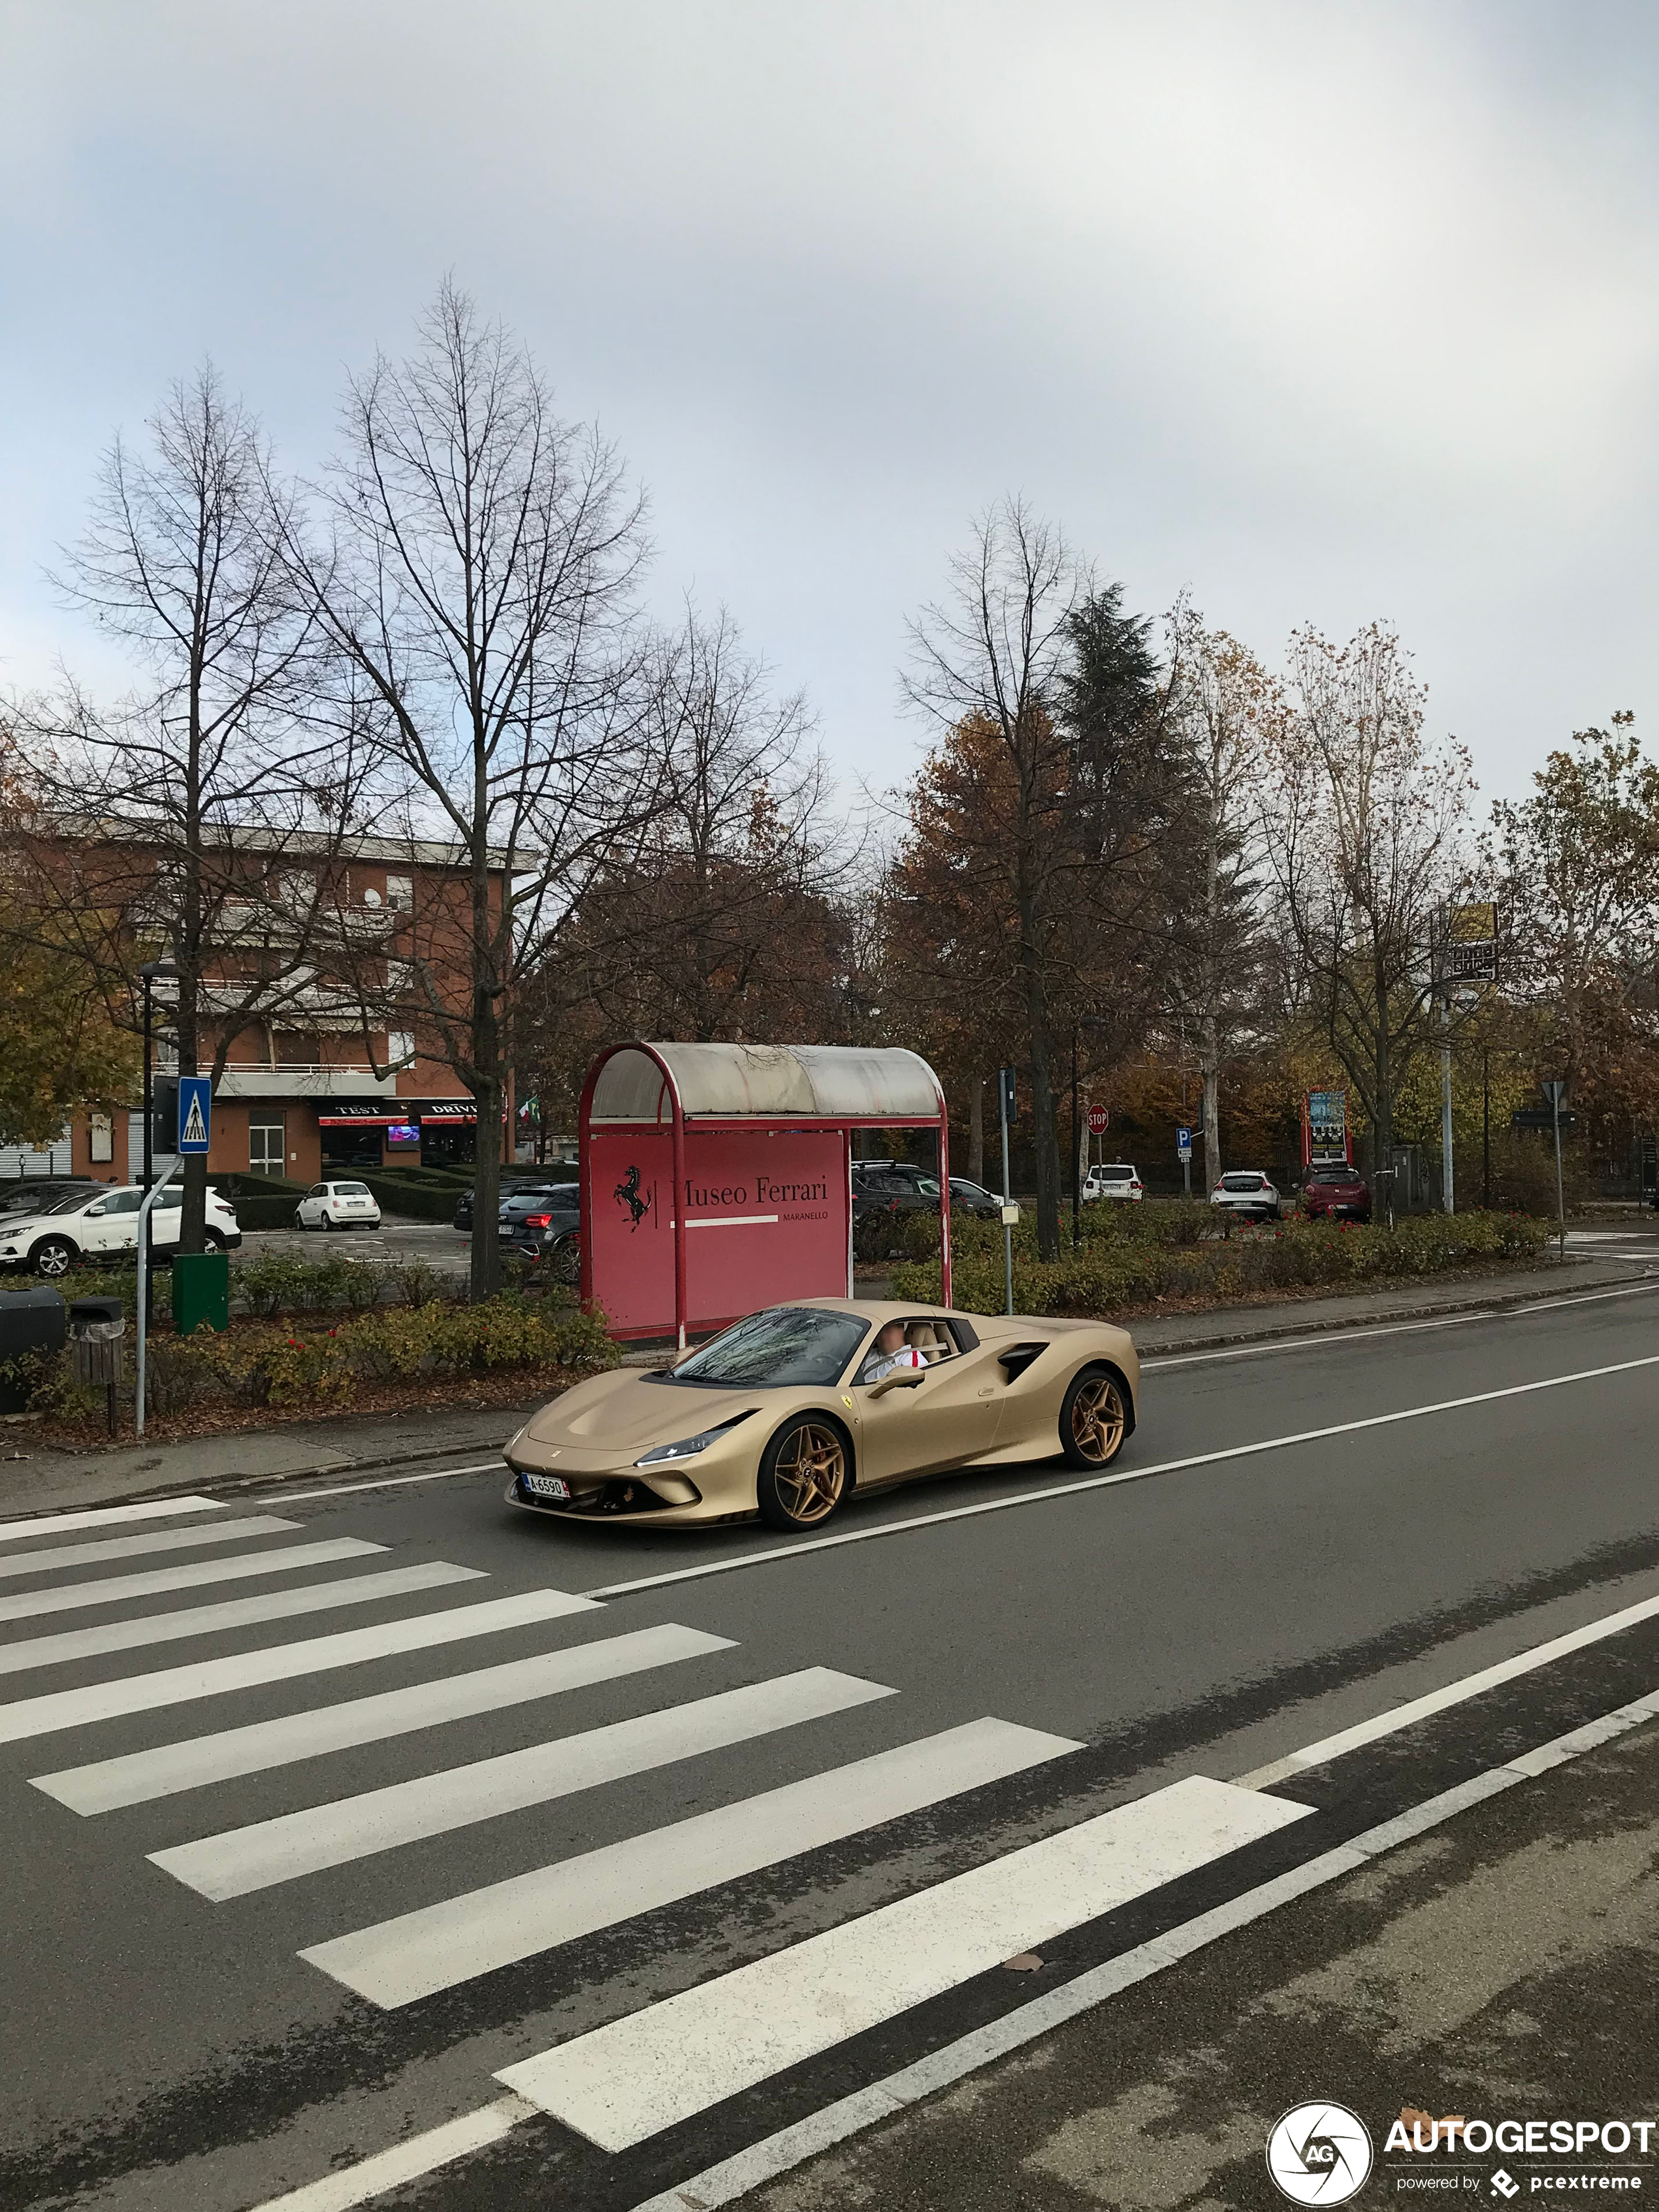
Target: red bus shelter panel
766,1219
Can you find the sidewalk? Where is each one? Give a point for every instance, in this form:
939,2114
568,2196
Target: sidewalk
34,1478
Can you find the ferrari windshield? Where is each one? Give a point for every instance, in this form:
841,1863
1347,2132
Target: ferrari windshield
786,1344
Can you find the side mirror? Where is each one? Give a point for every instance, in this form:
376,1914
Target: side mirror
92,1212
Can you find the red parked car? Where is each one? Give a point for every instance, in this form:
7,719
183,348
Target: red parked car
1335,1191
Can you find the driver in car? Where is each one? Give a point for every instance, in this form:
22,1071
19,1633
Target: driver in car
891,1351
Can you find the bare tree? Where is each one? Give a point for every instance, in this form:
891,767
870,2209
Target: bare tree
1366,845
479,591
196,818
1225,707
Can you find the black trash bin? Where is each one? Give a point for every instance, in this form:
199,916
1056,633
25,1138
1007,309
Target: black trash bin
96,1328
31,1320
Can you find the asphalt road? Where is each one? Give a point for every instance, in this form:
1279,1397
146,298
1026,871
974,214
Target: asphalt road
1315,1535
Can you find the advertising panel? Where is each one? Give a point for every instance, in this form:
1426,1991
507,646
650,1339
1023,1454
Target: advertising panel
765,1220
1325,1127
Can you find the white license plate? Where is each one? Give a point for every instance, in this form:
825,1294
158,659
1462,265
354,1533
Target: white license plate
546,1486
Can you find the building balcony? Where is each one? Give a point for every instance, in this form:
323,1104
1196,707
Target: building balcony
331,1079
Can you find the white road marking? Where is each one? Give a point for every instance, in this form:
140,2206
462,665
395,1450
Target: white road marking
1453,1694
384,1482
406,2161
104,1517
419,1953
230,1613
763,2162
620,2084
1110,1482
166,1769
154,1581
132,1547
258,1856
281,1663
1329,1337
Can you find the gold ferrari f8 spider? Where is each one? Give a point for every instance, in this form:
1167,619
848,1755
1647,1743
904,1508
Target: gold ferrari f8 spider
786,1414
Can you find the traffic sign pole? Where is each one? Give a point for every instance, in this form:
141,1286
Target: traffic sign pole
1554,1092
1184,1154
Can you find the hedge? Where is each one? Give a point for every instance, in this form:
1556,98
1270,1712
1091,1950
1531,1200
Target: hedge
1112,1272
261,1201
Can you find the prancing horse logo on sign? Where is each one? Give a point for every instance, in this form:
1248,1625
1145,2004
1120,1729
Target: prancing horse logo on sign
628,1194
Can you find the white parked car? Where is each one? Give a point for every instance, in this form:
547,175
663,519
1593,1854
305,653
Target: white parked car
1116,1179
338,1206
1247,1193
101,1222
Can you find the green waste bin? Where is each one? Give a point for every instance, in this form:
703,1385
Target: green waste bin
201,1291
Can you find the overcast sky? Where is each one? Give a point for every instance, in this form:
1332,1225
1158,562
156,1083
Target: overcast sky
1323,311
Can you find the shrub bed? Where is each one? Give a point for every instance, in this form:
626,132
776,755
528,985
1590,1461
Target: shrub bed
295,1367
1130,1265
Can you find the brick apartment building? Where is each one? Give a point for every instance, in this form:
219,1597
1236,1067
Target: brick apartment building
343,1075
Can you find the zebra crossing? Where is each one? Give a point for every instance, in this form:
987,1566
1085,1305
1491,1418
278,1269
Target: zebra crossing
610,2083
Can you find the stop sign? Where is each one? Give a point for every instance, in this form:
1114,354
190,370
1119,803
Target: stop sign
1099,1120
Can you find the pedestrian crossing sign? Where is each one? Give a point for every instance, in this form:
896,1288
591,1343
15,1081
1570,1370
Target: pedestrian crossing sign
194,1113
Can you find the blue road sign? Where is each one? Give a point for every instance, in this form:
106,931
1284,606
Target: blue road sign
194,1113
1183,1144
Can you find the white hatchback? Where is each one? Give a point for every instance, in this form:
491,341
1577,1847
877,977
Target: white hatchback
1114,1180
338,1206
1248,1192
100,1223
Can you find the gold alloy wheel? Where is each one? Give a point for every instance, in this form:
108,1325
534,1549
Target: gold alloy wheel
1097,1420
810,1472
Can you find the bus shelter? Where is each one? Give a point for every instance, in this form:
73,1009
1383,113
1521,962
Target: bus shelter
717,1178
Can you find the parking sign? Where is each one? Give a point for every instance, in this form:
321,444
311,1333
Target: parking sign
194,1113
1183,1144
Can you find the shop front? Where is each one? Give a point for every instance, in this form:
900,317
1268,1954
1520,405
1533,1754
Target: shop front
359,1135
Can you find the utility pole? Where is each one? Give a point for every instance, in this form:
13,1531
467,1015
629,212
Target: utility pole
1486,1126
1447,1198
1004,1101
1555,1091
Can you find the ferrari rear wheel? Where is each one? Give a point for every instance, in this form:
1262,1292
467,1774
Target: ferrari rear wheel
803,1475
1094,1419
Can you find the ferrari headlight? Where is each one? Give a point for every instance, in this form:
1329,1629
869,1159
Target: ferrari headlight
687,1448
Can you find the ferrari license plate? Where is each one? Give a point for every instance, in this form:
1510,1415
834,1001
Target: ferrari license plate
546,1486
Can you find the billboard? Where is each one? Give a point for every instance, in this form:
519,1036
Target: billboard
1325,1127
1471,951
766,1219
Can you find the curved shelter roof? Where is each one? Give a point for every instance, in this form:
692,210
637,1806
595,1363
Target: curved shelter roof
727,1082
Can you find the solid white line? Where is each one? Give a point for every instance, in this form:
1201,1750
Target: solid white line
241,1860
133,1547
282,1663
621,2084
1340,1336
383,1482
1110,1482
1453,1694
407,2161
231,1612
419,1953
166,1769
104,1517
1325,1339
791,2147
154,1581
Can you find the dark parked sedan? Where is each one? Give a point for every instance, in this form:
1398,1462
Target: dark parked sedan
545,1226
1335,1191
893,1186
513,1186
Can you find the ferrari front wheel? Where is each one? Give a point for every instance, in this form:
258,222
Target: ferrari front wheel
803,1475
1094,1419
